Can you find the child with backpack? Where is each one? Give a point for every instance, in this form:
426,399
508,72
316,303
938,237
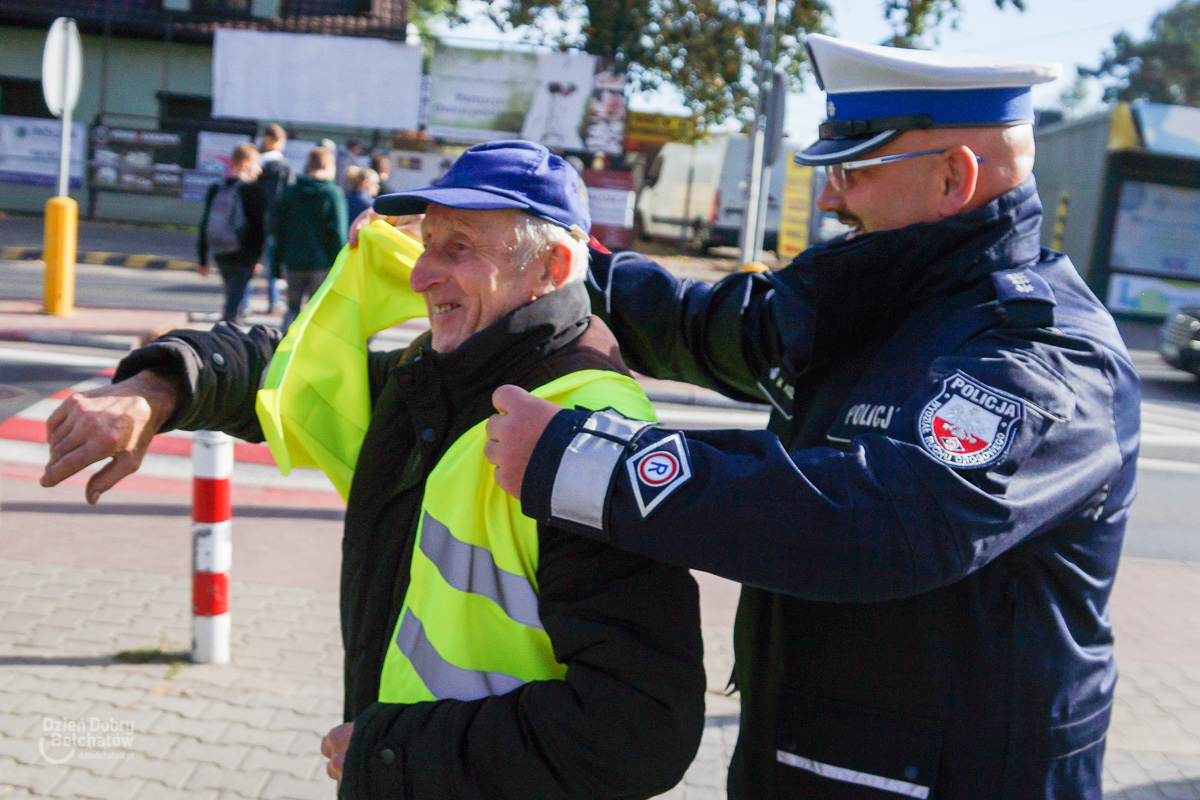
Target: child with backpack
232,227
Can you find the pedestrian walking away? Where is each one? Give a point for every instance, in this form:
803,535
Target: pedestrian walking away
232,227
309,224
364,186
486,655
276,176
929,530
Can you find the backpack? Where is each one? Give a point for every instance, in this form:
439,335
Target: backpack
226,219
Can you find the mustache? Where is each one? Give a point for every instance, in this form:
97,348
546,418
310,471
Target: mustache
850,220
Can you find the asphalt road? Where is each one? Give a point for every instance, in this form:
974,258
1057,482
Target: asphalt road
1165,521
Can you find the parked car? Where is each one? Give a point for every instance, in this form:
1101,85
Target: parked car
1180,340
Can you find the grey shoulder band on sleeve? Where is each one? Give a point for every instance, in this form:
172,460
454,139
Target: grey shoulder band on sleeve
585,473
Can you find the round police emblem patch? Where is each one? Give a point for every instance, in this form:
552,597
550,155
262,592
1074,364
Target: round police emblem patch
658,469
969,424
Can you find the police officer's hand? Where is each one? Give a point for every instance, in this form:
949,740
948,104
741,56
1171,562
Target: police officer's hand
334,747
116,422
514,432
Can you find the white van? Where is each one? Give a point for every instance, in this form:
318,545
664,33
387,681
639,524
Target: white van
719,193
680,190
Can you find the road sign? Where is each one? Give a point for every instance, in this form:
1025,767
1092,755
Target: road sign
62,66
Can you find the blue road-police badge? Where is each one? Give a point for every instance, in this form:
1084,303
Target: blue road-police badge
658,471
969,424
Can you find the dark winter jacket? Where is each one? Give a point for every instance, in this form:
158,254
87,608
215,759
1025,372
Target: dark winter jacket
627,719
930,528
276,177
310,225
252,233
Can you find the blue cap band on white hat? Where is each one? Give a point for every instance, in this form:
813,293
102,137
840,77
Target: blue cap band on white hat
946,107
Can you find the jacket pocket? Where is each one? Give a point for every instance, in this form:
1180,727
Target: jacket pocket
834,750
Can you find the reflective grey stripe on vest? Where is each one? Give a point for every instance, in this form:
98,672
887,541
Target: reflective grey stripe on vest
585,472
443,679
473,569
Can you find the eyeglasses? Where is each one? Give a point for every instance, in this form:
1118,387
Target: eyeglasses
836,173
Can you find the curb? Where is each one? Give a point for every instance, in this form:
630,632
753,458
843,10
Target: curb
101,258
103,341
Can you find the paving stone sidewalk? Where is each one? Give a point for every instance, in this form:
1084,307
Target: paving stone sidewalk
76,722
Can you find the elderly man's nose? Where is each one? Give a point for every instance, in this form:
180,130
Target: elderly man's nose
425,274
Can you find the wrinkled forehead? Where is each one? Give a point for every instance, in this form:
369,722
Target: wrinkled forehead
442,221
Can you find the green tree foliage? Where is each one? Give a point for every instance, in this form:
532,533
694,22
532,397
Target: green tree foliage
1163,68
706,49
916,22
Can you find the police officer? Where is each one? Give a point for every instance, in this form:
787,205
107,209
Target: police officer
929,529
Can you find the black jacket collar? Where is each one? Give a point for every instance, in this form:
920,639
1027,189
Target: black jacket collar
510,347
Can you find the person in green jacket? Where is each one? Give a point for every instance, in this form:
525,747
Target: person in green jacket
309,225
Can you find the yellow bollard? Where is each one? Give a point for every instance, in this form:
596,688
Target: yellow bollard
62,236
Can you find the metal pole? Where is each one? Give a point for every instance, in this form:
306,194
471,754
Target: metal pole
64,159
212,546
764,205
749,250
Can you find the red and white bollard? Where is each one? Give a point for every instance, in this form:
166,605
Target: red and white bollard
212,546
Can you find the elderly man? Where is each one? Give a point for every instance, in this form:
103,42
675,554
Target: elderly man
487,656
930,528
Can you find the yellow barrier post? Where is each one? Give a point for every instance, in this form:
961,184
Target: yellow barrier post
62,233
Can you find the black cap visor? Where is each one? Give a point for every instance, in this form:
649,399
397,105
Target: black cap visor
834,151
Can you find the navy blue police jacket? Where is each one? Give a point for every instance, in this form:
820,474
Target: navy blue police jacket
929,529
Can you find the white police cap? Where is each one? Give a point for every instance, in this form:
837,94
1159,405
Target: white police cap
874,93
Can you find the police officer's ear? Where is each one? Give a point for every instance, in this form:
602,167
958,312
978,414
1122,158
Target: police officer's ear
958,179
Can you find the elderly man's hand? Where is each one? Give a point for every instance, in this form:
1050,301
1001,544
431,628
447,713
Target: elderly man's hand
410,224
334,747
514,432
116,422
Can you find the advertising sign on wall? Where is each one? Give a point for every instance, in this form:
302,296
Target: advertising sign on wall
142,162
610,202
415,169
1146,296
477,95
30,148
606,114
796,214
317,79
1157,230
643,130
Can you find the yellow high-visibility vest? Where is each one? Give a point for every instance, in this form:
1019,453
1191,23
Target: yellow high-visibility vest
315,402
469,625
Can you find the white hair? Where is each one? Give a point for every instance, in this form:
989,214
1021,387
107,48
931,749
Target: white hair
533,237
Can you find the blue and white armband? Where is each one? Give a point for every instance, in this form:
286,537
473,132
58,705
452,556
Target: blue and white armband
580,458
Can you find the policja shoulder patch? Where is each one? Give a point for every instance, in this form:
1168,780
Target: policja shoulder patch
658,471
969,424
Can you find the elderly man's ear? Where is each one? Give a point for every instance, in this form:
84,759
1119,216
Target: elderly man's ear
959,176
558,267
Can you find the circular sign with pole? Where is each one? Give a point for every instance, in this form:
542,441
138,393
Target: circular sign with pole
62,76
62,66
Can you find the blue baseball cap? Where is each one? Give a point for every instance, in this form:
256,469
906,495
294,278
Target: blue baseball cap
508,173
875,93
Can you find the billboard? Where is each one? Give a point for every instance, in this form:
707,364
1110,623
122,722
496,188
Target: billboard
316,79
142,162
478,95
1157,230
30,148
